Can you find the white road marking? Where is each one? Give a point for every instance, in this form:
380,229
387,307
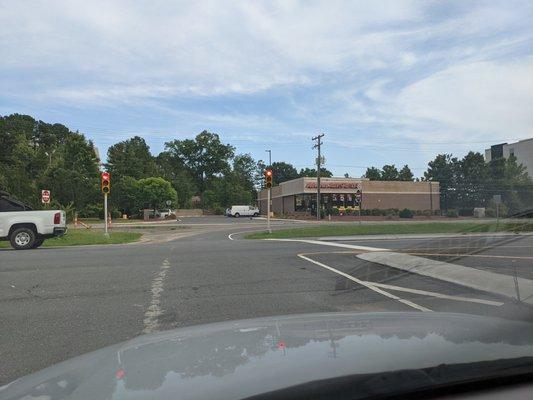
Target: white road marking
152,313
333,244
437,295
367,285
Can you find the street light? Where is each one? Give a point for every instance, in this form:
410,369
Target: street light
269,157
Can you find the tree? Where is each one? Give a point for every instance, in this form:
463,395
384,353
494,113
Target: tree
35,155
204,157
130,157
311,173
154,192
373,173
390,173
125,195
443,169
472,181
171,168
283,172
405,174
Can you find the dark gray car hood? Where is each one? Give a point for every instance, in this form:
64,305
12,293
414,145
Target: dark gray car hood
372,353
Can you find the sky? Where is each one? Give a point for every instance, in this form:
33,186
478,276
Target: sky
385,81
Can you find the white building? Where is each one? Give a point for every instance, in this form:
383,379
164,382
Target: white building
522,150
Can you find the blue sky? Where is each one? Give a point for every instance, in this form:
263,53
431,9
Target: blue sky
386,81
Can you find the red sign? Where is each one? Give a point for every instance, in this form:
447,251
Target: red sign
333,185
45,196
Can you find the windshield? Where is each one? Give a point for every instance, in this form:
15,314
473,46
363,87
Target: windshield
165,166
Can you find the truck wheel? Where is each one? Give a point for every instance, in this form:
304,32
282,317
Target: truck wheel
22,238
38,242
237,215
256,214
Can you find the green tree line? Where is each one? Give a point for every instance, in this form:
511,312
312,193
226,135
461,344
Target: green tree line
205,172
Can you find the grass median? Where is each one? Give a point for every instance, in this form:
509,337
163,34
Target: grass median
393,229
79,237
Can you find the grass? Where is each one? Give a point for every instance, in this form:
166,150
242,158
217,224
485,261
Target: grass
115,221
80,237
384,229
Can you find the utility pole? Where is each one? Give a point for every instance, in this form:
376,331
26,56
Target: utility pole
318,161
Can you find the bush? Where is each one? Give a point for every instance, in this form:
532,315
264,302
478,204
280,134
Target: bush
490,211
406,213
375,212
217,209
452,213
91,211
465,212
334,211
366,212
392,212
427,213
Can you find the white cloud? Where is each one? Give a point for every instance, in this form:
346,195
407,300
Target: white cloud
482,99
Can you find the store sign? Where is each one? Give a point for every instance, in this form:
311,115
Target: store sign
334,185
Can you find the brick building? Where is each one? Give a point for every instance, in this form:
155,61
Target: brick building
299,195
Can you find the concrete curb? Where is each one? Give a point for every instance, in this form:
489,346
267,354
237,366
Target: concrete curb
503,285
419,236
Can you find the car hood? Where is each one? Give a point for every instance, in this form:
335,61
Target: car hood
292,356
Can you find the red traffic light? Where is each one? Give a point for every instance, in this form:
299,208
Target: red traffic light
106,183
268,172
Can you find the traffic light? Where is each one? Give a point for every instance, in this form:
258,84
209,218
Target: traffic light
268,178
106,183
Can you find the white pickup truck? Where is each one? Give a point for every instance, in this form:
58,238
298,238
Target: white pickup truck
27,229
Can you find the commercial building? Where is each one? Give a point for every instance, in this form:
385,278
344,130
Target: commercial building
522,150
299,195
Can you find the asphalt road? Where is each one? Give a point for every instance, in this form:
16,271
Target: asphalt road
59,303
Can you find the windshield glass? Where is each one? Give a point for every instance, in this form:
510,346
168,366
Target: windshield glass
164,166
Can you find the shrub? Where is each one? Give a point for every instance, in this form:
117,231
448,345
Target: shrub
375,211
406,213
465,212
365,212
334,211
217,209
452,213
490,211
427,213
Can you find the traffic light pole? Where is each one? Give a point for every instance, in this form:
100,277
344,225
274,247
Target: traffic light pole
268,211
106,233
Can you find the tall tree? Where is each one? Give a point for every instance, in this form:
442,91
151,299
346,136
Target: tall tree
472,181
443,169
155,192
390,173
311,173
373,173
204,157
283,172
130,158
405,174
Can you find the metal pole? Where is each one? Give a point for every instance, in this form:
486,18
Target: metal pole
268,192
431,197
268,211
106,233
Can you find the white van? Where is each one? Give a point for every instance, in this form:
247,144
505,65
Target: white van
243,211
